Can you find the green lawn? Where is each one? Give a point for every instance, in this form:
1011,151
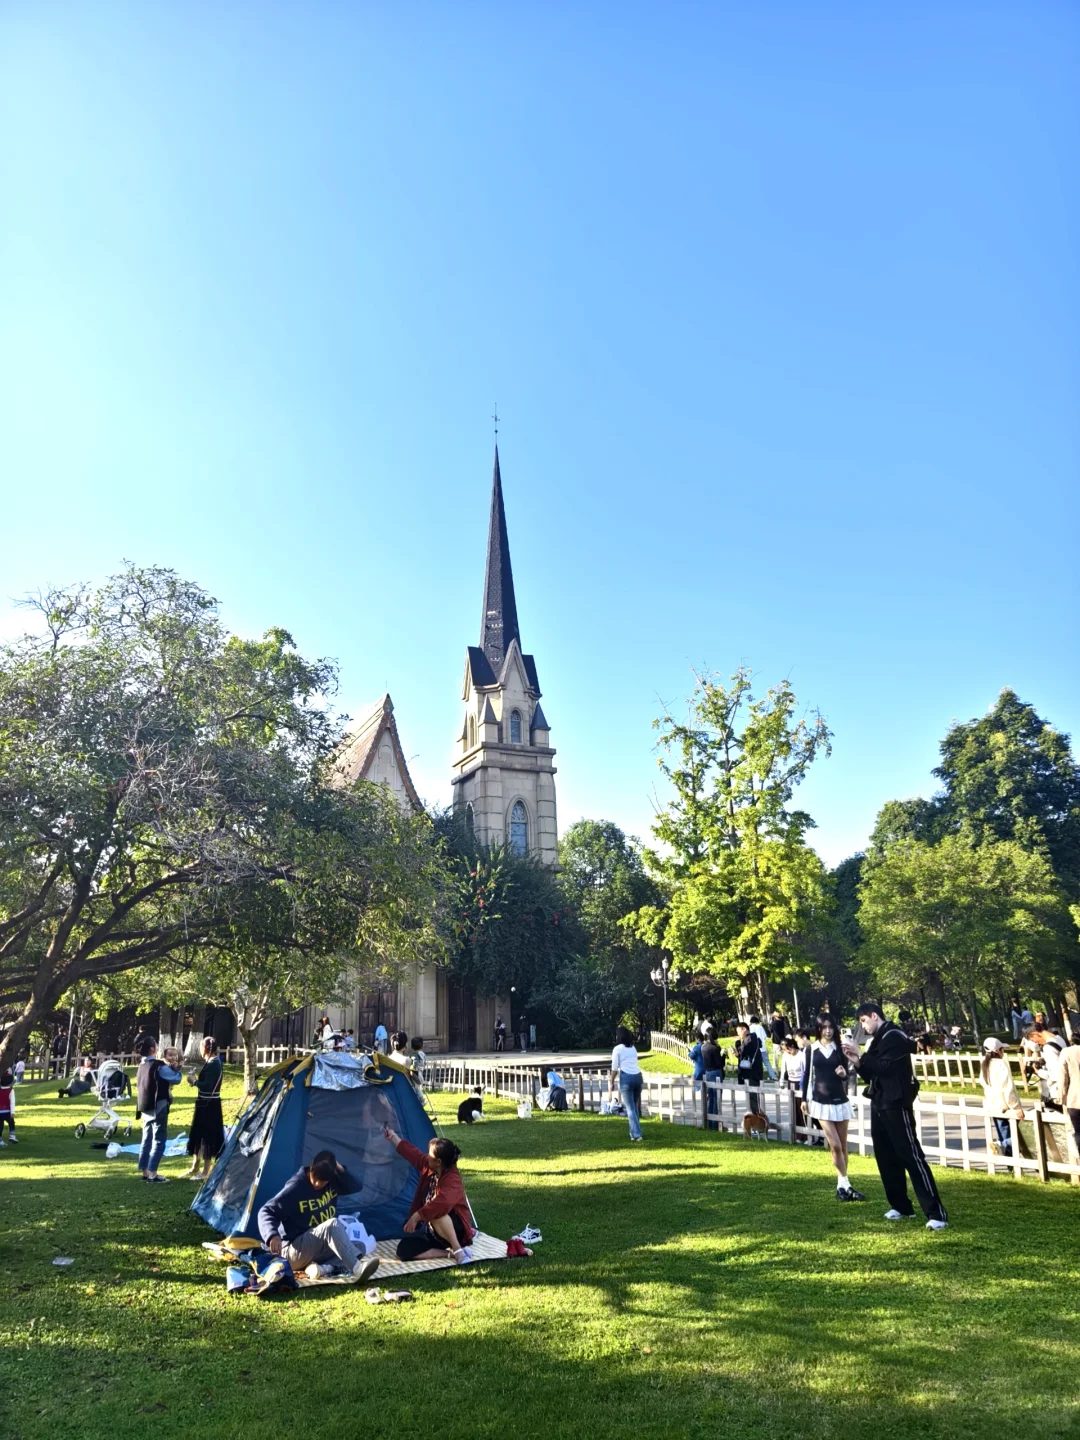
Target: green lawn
692,1286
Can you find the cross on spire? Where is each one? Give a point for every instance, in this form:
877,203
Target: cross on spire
495,417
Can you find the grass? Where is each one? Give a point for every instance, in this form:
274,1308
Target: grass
691,1286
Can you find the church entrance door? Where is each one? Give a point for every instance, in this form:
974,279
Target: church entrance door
371,1008
461,1014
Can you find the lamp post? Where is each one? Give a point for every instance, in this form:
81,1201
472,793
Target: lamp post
659,976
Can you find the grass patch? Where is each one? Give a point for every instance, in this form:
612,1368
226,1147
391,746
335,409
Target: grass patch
689,1286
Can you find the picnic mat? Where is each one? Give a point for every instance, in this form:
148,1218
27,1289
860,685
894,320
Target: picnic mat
483,1247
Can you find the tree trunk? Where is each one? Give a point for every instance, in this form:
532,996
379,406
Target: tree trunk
974,1017
250,1039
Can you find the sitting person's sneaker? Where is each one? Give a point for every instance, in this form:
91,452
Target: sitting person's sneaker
937,1224
365,1267
319,1272
848,1193
899,1215
462,1256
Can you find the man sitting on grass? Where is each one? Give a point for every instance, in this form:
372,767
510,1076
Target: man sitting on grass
440,1220
300,1222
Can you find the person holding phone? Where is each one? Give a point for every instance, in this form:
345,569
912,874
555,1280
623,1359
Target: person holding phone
439,1220
824,1090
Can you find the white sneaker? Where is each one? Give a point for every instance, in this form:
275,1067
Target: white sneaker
318,1272
529,1236
898,1215
937,1224
13,1139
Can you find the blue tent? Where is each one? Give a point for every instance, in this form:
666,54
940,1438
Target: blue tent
336,1102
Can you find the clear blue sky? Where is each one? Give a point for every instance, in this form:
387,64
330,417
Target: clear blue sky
779,304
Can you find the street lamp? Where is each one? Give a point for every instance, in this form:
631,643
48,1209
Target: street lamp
659,976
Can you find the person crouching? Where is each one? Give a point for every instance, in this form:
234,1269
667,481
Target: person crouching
440,1220
300,1222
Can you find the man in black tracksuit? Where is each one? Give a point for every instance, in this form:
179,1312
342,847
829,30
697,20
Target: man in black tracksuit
886,1064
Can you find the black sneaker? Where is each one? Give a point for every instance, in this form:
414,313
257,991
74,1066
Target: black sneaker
850,1194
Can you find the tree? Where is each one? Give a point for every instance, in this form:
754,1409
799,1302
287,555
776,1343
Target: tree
969,916
745,888
603,876
160,780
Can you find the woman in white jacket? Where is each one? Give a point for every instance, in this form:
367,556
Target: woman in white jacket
999,1093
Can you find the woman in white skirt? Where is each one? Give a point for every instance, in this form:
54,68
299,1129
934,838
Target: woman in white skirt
825,1092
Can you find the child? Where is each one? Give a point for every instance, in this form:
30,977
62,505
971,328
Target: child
20,1070
7,1107
419,1059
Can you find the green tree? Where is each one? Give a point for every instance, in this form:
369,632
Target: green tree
160,780
603,875
972,917
745,888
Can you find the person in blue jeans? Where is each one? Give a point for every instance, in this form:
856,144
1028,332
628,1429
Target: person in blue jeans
713,1061
626,1071
154,1082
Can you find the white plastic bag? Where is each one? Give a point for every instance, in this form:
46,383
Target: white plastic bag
358,1233
112,1150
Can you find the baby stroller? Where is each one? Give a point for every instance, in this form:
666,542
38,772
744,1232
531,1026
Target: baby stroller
112,1086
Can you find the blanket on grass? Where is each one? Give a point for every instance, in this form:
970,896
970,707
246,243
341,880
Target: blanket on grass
483,1247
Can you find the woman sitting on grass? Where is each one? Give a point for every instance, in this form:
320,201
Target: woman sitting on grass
440,1220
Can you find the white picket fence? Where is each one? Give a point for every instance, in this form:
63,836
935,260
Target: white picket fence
954,1130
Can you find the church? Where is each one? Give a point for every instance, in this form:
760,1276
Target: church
503,779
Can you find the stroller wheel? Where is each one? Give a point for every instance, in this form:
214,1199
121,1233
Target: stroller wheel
80,1130
111,1129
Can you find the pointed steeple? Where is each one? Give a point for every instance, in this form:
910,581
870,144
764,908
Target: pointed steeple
499,624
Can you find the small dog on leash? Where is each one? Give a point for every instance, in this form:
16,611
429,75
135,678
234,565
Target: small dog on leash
756,1127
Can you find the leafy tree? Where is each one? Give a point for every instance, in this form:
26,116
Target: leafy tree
916,819
745,888
162,786
973,917
1011,776
604,878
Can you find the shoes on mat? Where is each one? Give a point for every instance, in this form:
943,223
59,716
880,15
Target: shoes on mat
899,1215
375,1296
365,1267
319,1272
529,1236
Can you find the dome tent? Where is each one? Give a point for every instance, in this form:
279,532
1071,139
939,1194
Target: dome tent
332,1101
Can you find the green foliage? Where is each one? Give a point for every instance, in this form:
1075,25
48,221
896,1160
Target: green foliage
165,796
745,888
969,916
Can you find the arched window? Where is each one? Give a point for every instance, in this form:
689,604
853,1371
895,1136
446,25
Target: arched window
515,727
519,829
472,729
470,822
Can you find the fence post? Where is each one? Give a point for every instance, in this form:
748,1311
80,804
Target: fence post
705,1104
1040,1145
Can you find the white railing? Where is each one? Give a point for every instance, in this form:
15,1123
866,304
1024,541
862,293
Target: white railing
948,1067
668,1044
954,1130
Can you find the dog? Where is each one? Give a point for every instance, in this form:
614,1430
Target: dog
756,1126
471,1109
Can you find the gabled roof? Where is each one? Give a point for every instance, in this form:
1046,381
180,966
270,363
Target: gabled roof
361,745
499,621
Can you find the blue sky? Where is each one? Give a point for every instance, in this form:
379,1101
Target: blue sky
779,305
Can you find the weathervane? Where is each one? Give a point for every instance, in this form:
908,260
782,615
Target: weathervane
495,417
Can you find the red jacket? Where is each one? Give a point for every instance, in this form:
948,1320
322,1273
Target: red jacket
436,1194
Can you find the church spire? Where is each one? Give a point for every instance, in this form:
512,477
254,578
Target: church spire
499,624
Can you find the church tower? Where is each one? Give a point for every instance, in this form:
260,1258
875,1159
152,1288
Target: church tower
504,780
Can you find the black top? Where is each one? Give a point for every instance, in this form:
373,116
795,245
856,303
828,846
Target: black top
298,1206
712,1056
887,1066
751,1066
208,1081
779,1029
826,1087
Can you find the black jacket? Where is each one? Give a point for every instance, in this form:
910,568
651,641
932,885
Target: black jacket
886,1064
751,1064
713,1057
820,1080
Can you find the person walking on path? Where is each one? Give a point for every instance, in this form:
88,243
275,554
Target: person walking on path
208,1126
886,1064
999,1093
824,1086
626,1072
750,1068
153,1089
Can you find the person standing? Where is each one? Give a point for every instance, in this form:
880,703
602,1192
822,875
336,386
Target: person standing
759,1030
824,1087
523,1032
779,1030
1051,1049
999,1093
153,1089
886,1065
208,1126
382,1038
751,1053
500,1034
626,1072
7,1107
1070,1089
1017,1021
713,1061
